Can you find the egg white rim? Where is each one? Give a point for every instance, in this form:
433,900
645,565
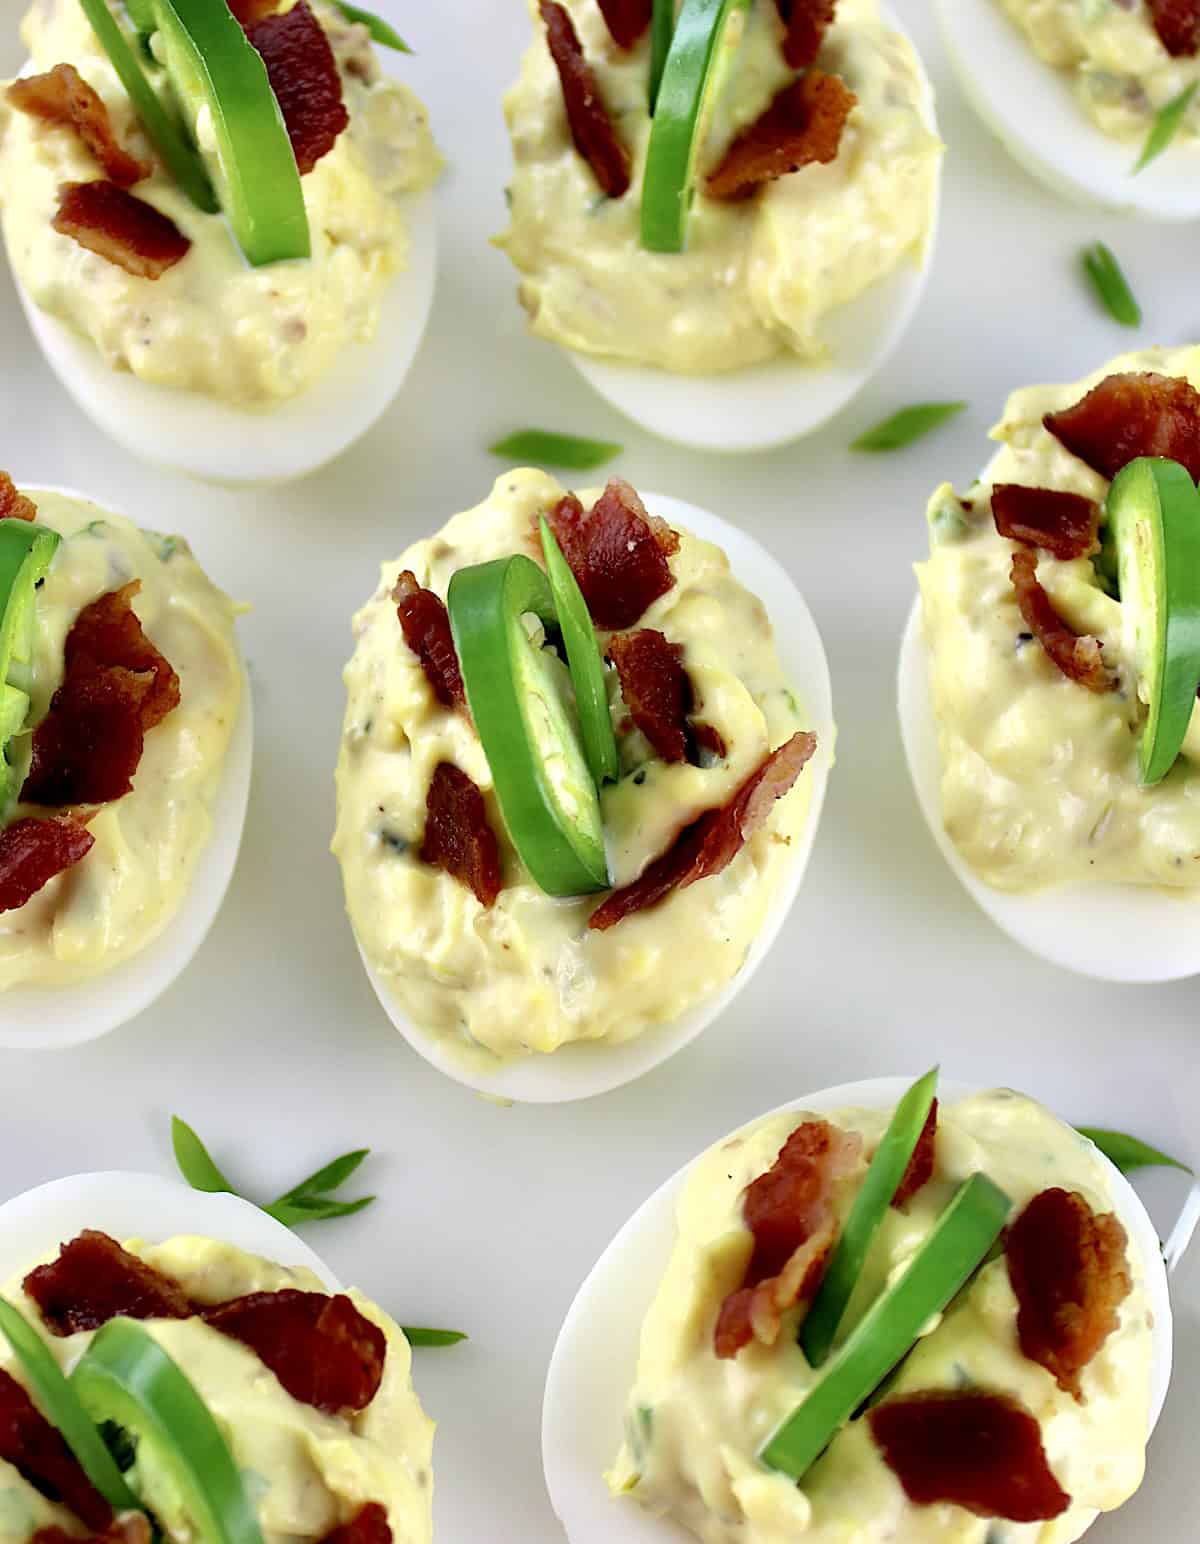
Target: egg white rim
594,1362
1089,165
581,1070
44,1018
771,404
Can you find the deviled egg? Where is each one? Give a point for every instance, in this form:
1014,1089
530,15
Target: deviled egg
235,283
214,1382
125,748
578,782
1097,98
874,1317
1048,679
724,224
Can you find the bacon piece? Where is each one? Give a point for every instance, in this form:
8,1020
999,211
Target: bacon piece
1078,658
14,505
120,228
458,837
250,11
63,96
1069,1271
1177,23
707,737
979,1451
426,625
40,1455
656,689
133,1528
617,552
802,127
304,77
108,633
95,1280
369,1525
920,1165
322,1350
33,852
1064,524
807,22
711,843
591,127
626,19
1131,415
789,1210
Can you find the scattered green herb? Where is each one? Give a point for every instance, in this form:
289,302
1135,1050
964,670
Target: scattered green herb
909,424
417,1337
662,30
381,31
1128,1153
1167,123
1111,285
543,447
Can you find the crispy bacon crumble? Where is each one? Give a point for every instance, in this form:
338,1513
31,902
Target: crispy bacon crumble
33,852
369,1525
920,1165
94,1280
807,22
1079,659
626,20
133,1528
591,127
1177,23
802,127
14,505
62,96
618,553
426,626
122,229
656,689
1064,524
304,77
458,836
40,1455
1130,415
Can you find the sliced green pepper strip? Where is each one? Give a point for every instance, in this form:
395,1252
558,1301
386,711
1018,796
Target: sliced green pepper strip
587,666
26,550
662,30
678,115
546,793
381,31
125,1376
141,14
213,64
1154,520
60,1404
183,161
887,1169
947,1259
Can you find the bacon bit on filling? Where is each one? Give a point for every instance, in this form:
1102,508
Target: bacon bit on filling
322,1350
120,228
14,505
40,1455
63,96
1132,415
95,1280
656,689
807,22
304,77
711,843
617,552
458,837
707,737
426,625
920,1165
1078,658
1177,23
116,687
1064,524
1069,1271
979,1451
789,1210
802,126
133,1528
33,852
626,19
250,11
591,128
369,1525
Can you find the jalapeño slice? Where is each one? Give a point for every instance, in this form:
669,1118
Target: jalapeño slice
583,656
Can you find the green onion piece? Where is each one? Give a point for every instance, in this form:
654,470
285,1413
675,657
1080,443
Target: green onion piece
1111,285
60,1405
909,424
540,773
432,1337
332,1177
26,551
183,161
662,30
584,658
1167,123
947,1259
195,1162
1128,1153
292,1214
141,14
887,1169
212,64
125,1376
381,31
542,447
679,109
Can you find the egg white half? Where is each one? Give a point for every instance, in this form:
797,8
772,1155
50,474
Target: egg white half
595,1359
580,1070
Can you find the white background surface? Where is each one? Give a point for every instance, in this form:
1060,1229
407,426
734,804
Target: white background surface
272,1043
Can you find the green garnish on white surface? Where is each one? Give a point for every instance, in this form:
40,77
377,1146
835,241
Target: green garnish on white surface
1167,123
546,447
1110,284
1129,1153
908,425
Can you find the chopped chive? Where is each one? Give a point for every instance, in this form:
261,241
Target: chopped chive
417,1337
292,1214
1128,1153
662,30
381,31
1167,122
1111,286
543,447
328,1178
195,1162
909,424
